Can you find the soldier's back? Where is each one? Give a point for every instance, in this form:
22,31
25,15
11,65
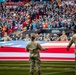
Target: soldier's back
32,46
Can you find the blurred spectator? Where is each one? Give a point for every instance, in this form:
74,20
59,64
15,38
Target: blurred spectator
54,37
41,37
17,36
47,37
0,31
13,37
27,38
6,37
34,25
37,36
21,37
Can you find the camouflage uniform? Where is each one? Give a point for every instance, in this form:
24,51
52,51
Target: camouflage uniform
33,48
63,38
73,40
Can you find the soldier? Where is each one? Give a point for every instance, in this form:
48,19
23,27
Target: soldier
63,37
34,57
73,40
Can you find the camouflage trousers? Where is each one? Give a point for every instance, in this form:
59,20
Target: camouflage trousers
33,62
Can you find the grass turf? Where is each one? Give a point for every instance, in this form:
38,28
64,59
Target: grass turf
47,68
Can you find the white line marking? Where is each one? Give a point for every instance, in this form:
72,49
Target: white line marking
54,73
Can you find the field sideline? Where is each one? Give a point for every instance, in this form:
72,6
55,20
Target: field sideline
47,68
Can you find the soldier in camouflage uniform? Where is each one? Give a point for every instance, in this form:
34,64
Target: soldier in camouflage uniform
73,40
33,48
63,37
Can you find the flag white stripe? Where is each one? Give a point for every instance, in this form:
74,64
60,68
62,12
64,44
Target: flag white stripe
18,54
55,44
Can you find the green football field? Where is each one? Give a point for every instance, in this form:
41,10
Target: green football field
47,68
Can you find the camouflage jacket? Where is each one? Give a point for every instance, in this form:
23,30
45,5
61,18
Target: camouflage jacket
33,48
73,40
63,38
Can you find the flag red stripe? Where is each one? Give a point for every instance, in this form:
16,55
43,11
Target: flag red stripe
50,50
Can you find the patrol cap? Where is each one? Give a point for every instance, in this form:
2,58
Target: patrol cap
33,35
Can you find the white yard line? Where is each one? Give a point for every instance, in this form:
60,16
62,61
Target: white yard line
54,73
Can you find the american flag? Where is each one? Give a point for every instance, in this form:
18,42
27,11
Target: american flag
16,50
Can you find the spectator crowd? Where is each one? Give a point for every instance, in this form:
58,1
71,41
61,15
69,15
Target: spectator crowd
37,15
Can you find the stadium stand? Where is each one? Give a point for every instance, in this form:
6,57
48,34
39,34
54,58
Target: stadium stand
38,17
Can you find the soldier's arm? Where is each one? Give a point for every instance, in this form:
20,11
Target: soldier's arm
70,43
27,49
40,47
58,39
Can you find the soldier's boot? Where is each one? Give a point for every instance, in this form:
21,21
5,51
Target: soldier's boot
32,71
39,72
